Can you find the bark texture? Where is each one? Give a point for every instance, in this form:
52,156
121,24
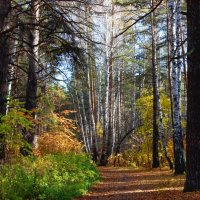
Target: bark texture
4,55
155,160
33,59
4,64
107,144
193,111
175,50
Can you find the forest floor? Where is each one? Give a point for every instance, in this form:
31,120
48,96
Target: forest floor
124,184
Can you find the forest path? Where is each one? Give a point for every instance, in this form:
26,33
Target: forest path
123,184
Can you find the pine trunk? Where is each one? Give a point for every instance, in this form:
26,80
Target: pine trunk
193,109
4,64
33,59
4,56
155,160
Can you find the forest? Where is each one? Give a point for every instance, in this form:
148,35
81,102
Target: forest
99,99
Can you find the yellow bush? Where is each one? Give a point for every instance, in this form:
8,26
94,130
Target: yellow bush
118,161
57,142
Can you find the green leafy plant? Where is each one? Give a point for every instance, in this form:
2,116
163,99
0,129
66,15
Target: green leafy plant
11,127
52,177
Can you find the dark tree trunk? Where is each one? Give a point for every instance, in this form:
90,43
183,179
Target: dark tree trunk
31,88
4,60
4,63
4,56
193,111
155,161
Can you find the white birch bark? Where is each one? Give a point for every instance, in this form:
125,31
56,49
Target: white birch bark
85,122
176,83
114,121
91,114
119,105
11,74
85,139
158,115
133,91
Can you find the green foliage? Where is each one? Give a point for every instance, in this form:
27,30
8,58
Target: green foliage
11,127
50,177
52,109
138,4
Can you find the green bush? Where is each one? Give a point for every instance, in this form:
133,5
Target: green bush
51,177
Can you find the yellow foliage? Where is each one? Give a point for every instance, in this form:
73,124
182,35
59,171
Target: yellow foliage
117,160
63,123
57,142
99,129
60,137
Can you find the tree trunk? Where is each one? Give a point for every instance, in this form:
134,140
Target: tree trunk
4,64
185,73
169,70
4,56
85,123
110,64
107,133
84,128
193,110
33,59
92,120
176,70
176,77
157,108
155,161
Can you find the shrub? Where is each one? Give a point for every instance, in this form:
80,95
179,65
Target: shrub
50,177
11,126
57,142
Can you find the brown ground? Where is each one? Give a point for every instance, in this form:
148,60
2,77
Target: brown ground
121,183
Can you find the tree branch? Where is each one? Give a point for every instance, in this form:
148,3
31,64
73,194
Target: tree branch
142,17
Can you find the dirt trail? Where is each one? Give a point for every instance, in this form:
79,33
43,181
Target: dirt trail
119,183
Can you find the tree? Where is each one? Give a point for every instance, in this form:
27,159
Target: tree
193,109
175,50
4,55
155,160
33,53
108,123
4,63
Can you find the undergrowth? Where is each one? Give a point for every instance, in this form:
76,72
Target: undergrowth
51,177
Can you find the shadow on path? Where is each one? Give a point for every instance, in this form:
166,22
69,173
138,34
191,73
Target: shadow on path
124,184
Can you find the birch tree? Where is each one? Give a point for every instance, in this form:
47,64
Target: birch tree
107,133
175,49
